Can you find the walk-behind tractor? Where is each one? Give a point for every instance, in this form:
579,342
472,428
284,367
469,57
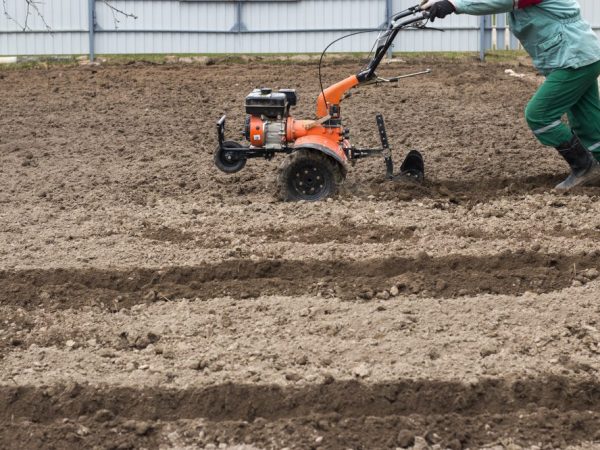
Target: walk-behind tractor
318,150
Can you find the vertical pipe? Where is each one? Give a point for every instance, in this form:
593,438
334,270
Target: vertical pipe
92,28
501,27
388,18
487,26
482,38
514,43
239,26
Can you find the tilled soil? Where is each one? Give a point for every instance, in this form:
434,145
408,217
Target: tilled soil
148,301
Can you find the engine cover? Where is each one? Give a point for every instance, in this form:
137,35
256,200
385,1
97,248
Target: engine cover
265,102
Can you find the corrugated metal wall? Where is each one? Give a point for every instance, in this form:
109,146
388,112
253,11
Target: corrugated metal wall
235,28
461,33
68,20
173,26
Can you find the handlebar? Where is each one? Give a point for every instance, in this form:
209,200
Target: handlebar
411,16
412,10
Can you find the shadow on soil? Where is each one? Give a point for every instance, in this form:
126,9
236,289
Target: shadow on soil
443,277
461,190
552,411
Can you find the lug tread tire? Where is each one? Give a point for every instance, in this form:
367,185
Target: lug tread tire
284,172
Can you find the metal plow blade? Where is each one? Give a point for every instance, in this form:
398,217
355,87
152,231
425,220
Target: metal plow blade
412,169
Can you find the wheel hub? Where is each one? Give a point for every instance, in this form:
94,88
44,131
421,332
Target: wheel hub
308,180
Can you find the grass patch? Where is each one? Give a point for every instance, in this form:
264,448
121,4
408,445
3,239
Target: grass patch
45,62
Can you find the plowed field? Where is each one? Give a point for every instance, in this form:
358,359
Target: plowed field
149,301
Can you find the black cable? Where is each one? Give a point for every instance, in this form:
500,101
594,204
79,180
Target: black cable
347,36
334,42
368,59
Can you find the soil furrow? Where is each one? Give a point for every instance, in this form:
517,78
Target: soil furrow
347,398
341,412
454,275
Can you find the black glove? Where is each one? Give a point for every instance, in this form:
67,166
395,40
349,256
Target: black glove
441,10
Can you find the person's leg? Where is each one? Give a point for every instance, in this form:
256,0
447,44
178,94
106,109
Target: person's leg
584,118
561,91
559,94
545,110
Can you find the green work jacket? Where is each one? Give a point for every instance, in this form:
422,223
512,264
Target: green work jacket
552,31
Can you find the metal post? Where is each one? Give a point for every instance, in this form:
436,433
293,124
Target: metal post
388,19
487,26
514,42
482,38
485,35
238,26
92,27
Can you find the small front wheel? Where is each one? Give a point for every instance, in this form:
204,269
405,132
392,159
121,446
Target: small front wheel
309,175
226,161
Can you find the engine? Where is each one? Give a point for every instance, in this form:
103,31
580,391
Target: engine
267,118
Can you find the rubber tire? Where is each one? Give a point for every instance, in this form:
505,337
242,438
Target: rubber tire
333,172
227,166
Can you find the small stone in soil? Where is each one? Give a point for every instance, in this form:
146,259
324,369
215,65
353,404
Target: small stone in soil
592,274
433,354
302,360
140,427
198,365
103,415
488,351
292,376
440,285
106,353
454,444
405,439
151,296
366,295
361,371
384,295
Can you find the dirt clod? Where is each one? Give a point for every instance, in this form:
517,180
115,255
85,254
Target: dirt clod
103,415
405,439
140,427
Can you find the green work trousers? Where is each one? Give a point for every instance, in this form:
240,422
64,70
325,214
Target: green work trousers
573,92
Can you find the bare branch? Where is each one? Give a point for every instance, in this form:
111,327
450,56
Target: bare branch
25,25
32,7
116,12
11,18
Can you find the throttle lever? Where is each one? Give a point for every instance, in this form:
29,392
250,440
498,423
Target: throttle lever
394,79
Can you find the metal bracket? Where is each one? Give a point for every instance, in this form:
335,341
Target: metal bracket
239,25
221,130
387,153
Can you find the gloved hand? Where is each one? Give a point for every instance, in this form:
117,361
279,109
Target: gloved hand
438,8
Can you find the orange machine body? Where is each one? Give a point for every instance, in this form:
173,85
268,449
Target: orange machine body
325,135
256,131
309,134
333,95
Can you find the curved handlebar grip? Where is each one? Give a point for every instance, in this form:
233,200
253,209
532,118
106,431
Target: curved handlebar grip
406,12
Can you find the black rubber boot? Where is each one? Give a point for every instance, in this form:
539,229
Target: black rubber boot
584,167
